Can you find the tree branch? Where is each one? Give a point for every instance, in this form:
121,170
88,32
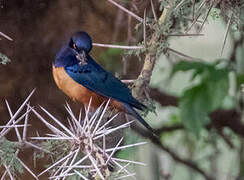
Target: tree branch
143,80
163,98
175,156
228,118
220,118
164,129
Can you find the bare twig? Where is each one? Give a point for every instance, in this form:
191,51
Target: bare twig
12,119
189,19
192,24
144,29
127,11
27,168
129,81
6,36
200,29
11,115
226,34
183,55
193,8
196,18
185,34
117,46
154,13
26,122
178,5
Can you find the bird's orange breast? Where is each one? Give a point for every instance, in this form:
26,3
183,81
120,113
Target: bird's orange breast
79,93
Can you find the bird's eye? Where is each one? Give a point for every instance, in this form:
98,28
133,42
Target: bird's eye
74,46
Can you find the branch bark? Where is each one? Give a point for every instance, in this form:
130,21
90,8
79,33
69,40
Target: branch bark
143,80
162,98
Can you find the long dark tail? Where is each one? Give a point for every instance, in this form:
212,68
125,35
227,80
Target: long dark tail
132,112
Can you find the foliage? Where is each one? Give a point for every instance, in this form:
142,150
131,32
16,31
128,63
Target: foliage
151,107
206,96
58,149
8,156
4,59
130,138
136,52
216,13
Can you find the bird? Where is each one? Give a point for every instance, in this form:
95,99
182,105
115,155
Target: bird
80,77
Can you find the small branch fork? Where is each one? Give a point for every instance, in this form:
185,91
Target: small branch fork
126,10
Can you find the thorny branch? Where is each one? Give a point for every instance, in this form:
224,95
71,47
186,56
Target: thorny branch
82,138
143,80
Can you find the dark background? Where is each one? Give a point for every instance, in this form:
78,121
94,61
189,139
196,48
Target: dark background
38,29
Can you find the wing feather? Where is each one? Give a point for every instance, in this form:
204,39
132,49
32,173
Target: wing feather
96,79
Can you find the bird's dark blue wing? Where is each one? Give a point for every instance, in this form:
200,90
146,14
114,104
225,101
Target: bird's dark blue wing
96,79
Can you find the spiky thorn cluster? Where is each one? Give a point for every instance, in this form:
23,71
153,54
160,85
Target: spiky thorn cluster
9,150
84,157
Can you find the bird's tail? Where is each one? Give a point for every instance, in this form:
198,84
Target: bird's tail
132,112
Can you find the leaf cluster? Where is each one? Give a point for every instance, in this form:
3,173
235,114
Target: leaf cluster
8,156
206,96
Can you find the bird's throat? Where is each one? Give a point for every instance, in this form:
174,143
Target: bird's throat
82,58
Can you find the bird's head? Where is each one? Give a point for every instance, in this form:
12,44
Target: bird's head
81,45
81,42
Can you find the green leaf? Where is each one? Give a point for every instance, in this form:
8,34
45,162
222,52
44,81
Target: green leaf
8,156
200,100
198,67
175,118
127,153
240,80
218,86
194,108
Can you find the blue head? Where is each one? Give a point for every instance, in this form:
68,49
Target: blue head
79,44
81,41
